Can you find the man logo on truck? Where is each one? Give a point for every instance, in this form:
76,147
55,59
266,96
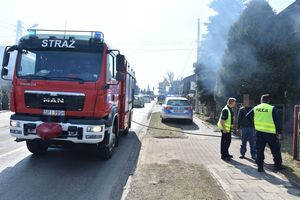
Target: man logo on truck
59,43
53,100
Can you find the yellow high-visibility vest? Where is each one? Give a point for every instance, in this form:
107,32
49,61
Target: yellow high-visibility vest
227,121
263,118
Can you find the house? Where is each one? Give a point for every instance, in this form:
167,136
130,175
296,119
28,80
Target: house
189,85
176,88
292,15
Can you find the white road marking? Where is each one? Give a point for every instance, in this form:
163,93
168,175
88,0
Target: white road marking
12,152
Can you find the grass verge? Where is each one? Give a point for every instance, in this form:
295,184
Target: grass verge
293,171
175,180
166,130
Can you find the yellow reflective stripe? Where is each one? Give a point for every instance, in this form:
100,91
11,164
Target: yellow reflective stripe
265,124
266,130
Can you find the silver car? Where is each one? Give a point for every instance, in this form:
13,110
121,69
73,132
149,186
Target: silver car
147,99
176,108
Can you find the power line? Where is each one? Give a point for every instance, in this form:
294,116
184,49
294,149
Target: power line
7,22
186,64
157,50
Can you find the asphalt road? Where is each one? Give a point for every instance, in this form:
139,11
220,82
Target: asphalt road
67,173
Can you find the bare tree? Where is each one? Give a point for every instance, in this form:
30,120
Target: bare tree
170,77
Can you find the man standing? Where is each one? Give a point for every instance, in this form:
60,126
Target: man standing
247,130
225,124
267,126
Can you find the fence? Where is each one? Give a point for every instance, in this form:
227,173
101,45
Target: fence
296,134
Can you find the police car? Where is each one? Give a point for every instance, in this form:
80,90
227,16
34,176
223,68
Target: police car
176,108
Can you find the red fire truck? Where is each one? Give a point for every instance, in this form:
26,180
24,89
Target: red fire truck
69,87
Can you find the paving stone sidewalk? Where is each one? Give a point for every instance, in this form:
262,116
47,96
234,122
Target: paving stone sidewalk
239,177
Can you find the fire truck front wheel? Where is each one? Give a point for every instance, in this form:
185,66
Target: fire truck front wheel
37,146
106,151
125,132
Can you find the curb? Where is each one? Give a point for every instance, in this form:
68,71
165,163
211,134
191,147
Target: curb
126,188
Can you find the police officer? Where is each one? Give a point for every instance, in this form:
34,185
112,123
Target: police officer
225,124
267,126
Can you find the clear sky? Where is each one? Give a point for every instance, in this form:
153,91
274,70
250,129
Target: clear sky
156,36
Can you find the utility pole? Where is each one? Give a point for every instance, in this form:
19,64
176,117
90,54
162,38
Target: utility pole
197,109
198,40
19,28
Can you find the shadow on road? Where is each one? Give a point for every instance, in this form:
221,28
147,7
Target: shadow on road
190,127
252,172
71,174
177,123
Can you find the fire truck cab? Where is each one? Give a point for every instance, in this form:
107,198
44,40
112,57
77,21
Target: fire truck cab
69,87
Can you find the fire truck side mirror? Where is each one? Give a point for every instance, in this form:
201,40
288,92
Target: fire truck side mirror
120,76
5,60
120,63
4,72
6,54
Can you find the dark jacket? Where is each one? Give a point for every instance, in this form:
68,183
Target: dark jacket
243,121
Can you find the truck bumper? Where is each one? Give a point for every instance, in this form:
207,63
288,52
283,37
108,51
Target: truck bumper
86,131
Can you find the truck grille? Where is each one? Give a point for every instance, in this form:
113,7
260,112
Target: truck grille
54,100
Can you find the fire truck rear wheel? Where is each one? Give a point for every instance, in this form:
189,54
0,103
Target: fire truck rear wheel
37,146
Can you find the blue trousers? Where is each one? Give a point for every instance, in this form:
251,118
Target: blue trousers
248,134
266,138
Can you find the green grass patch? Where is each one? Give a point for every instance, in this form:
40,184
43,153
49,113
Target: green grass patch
293,171
169,129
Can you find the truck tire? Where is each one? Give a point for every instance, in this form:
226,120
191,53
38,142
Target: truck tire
125,132
37,146
106,150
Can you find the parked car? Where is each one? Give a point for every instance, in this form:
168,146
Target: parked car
161,99
147,99
176,108
138,102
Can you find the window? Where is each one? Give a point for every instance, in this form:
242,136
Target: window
28,61
59,65
110,67
178,102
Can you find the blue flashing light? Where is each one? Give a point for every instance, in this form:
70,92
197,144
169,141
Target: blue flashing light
32,32
97,35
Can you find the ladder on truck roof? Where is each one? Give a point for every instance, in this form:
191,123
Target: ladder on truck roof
93,34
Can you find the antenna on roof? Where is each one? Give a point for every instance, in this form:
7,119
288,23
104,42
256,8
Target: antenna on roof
65,28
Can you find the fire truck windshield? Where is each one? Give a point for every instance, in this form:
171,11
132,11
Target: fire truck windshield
59,65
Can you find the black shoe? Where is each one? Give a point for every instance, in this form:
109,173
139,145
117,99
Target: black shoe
230,156
242,157
226,158
260,169
279,167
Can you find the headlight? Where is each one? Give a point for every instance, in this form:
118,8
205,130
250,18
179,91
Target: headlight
15,123
94,129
